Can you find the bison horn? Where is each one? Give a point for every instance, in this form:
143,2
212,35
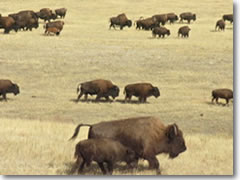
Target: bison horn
175,129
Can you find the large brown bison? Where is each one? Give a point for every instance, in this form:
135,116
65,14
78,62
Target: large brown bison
100,87
147,136
187,16
160,31
8,24
55,24
220,25
184,31
103,150
6,86
228,17
161,18
222,93
46,14
61,12
121,20
140,90
146,24
172,17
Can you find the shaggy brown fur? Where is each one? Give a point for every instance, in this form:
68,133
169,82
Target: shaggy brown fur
222,93
102,150
61,12
184,31
187,16
120,20
140,90
100,87
220,25
147,136
146,24
228,17
160,31
52,30
161,18
56,24
8,24
172,17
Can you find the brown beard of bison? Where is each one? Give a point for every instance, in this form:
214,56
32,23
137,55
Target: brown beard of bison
14,89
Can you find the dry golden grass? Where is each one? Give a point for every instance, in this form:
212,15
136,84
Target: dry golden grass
40,147
48,70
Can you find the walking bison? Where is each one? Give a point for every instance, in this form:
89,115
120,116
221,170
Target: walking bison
188,16
55,24
184,31
220,25
147,136
100,87
61,12
8,24
228,17
172,17
102,151
222,93
141,90
6,86
160,32
147,24
161,18
120,20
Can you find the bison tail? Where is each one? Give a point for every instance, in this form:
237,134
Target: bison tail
77,130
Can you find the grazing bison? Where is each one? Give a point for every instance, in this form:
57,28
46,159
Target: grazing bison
61,12
52,30
6,86
46,14
220,25
228,17
184,31
160,31
121,20
8,24
147,136
141,90
161,18
222,93
102,150
187,16
146,24
55,24
172,17
100,87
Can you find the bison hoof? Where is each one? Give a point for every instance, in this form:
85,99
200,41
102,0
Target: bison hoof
158,172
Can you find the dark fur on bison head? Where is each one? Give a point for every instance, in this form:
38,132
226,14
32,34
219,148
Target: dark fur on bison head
175,140
114,91
129,23
156,92
14,89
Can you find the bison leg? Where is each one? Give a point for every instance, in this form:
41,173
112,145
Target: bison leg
227,100
217,100
110,167
80,95
85,97
107,98
213,99
81,167
100,164
154,164
4,96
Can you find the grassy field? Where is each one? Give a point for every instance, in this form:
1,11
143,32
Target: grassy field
49,68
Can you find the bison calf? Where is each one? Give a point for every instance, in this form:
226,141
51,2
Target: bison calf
222,93
141,90
102,150
220,25
52,30
6,86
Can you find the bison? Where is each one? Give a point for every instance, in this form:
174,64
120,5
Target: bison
160,31
147,136
6,86
228,17
222,93
220,25
52,30
120,20
61,12
103,150
140,90
46,14
146,24
100,87
55,24
184,31
187,16
172,17
161,18
8,24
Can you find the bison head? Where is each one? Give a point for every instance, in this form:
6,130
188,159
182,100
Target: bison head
155,92
14,89
194,17
176,143
176,17
114,91
129,23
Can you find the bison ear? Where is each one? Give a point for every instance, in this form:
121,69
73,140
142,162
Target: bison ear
172,131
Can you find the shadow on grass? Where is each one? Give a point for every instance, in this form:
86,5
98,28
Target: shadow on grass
217,104
70,168
122,101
